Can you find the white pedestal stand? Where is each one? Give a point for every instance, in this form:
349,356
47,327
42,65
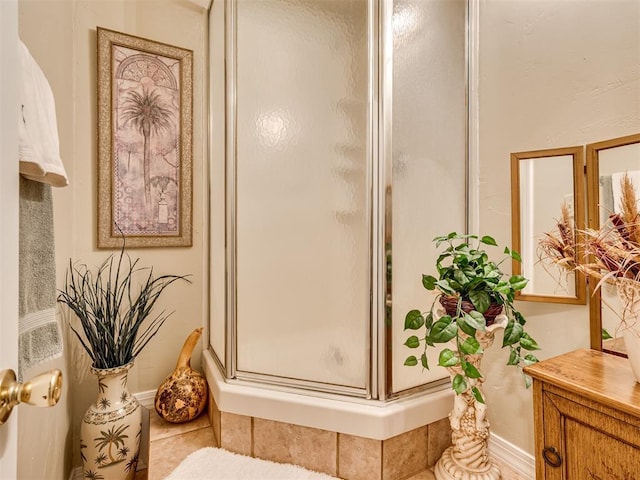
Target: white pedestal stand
468,457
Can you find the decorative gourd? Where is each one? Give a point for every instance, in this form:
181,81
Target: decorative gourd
183,395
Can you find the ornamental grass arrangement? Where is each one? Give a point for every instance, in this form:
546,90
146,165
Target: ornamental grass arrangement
610,254
113,305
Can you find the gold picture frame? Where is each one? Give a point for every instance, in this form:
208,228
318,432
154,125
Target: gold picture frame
145,115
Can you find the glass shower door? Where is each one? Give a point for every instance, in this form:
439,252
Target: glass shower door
302,191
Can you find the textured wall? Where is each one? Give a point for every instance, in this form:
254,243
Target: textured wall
551,74
62,38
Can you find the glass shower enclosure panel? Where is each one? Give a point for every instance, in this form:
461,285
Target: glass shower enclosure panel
429,158
302,191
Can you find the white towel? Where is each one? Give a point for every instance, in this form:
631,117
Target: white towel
39,147
40,337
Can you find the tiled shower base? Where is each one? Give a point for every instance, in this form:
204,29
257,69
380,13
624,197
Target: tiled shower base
170,443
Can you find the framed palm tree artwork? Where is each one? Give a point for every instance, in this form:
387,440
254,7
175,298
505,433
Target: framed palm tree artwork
145,103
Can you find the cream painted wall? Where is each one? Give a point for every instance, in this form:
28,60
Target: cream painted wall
551,74
62,38
546,80
45,439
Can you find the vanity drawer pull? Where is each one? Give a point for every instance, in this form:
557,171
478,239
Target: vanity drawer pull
551,457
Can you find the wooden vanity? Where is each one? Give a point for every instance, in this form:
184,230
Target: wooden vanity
587,417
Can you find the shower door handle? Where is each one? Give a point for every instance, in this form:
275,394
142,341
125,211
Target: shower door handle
43,390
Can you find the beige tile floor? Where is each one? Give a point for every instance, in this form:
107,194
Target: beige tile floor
171,443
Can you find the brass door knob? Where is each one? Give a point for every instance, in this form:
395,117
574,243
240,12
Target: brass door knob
43,390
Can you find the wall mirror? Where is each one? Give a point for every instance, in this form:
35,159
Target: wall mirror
607,161
541,182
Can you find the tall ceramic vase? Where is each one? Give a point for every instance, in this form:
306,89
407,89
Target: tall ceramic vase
629,295
468,457
111,428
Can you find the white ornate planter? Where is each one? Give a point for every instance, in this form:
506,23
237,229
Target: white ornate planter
111,428
468,457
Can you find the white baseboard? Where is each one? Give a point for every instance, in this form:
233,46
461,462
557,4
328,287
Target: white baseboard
146,399
519,460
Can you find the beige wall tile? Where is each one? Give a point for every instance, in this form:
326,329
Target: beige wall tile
438,439
286,443
167,453
405,454
236,433
359,458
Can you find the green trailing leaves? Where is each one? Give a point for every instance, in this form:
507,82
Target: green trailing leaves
530,359
514,357
443,330
429,282
480,299
448,358
476,320
413,320
512,333
465,325
518,282
459,384
528,343
425,361
470,370
470,346
487,240
477,395
412,342
466,272
411,361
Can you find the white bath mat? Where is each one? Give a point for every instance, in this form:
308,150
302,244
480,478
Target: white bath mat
218,464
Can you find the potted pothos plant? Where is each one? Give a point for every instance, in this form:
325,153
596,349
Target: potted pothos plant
472,291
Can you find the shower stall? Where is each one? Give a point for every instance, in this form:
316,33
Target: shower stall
338,150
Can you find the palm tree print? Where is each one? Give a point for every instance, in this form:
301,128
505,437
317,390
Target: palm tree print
93,475
113,436
132,464
82,455
100,459
149,115
123,452
101,385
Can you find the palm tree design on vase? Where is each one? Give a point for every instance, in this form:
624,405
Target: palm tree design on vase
91,475
113,436
132,464
82,447
149,115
